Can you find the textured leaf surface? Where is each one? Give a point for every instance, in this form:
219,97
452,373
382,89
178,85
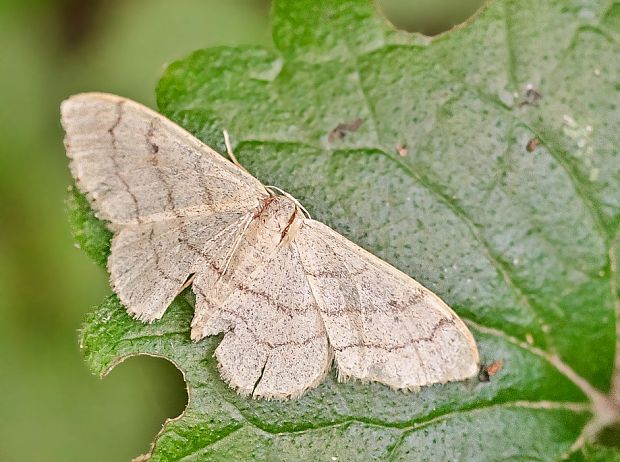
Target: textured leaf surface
440,179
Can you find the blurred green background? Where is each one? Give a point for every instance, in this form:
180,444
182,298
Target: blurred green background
51,407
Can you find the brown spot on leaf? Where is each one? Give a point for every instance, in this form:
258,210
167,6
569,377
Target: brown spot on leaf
342,129
531,97
532,144
495,367
402,150
488,371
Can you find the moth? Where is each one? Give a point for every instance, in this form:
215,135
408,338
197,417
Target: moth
291,295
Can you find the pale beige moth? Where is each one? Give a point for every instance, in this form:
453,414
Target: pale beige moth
291,295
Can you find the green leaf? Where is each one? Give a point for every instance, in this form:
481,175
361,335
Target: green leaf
90,234
439,181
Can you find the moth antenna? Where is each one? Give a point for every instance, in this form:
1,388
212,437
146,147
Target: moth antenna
285,194
231,154
229,151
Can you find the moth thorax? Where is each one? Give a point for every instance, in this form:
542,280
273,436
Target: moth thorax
282,216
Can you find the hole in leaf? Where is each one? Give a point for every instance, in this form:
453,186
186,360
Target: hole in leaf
154,390
429,17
